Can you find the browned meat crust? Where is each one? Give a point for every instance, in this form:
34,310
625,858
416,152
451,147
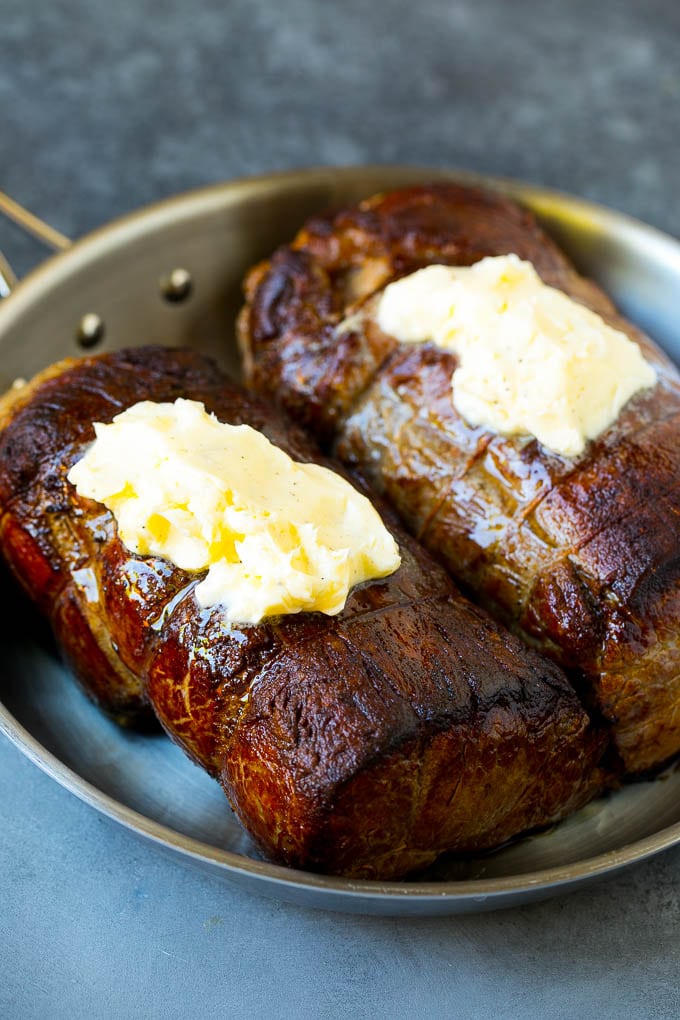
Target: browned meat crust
581,557
363,744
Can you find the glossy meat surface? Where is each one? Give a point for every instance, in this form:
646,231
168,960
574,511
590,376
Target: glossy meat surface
580,556
361,744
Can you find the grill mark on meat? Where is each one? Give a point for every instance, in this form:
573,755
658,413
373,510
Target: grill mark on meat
360,392
582,545
637,433
431,519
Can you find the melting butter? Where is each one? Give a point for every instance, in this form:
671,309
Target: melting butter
274,535
531,360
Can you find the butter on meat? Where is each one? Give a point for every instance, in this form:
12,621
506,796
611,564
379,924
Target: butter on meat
275,536
531,360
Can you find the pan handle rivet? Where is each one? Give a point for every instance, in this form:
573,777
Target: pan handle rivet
90,330
176,286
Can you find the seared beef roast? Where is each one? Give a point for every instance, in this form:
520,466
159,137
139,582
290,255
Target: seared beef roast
581,557
363,744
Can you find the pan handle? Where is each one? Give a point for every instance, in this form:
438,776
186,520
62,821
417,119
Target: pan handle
54,239
8,278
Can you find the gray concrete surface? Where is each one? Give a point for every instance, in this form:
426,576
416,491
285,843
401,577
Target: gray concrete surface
106,107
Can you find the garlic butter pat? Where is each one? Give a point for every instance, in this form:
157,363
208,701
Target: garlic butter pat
275,536
531,360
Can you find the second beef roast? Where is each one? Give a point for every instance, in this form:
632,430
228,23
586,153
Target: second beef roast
580,556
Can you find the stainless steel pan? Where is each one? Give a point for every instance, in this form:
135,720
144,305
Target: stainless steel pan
171,274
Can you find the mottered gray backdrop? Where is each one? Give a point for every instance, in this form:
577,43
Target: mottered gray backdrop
105,107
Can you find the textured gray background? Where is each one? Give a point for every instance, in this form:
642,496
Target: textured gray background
103,110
